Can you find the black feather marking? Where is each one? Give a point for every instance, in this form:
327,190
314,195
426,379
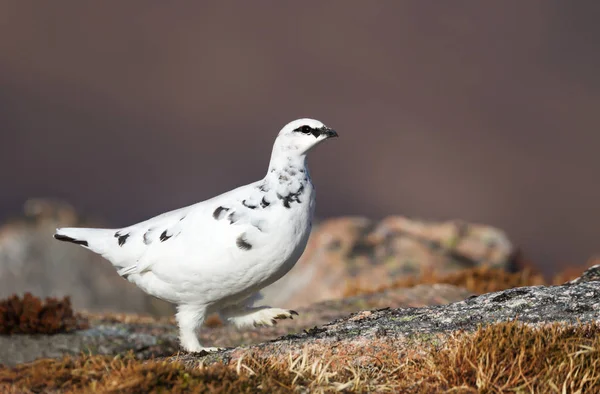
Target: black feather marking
233,217
164,236
242,243
69,239
284,199
263,187
147,239
244,203
264,203
292,197
299,193
122,239
217,213
117,235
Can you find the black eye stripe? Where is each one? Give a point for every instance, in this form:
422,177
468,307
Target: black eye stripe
305,129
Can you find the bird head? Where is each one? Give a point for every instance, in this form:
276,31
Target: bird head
301,135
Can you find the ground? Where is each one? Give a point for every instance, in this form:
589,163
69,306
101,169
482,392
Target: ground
529,338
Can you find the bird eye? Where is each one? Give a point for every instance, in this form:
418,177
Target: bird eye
304,129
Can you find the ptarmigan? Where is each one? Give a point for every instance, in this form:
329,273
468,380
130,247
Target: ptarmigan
215,256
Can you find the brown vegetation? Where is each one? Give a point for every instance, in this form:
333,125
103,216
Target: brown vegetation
478,280
495,359
508,356
127,375
29,315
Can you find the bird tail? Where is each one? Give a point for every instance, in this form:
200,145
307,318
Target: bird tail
91,238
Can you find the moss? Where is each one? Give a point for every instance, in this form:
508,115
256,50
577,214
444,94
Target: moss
29,315
425,338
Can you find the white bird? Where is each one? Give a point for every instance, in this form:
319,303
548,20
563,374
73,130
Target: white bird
216,255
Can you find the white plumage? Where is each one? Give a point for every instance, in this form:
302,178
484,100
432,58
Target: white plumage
214,256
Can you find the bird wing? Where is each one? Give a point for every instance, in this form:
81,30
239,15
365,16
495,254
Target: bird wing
128,244
214,231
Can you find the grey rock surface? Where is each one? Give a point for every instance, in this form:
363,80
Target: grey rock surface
113,338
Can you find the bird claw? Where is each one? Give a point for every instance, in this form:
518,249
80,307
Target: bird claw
289,314
206,351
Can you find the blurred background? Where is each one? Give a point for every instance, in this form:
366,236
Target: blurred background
484,112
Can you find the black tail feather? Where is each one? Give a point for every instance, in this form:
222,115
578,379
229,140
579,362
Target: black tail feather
69,239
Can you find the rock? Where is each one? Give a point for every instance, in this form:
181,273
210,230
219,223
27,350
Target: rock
370,255
112,338
32,261
365,332
146,336
592,274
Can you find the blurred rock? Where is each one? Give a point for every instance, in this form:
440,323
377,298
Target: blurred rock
32,261
369,255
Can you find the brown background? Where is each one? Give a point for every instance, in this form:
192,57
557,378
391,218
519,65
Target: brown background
485,111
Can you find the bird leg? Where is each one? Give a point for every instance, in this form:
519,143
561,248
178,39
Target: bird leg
243,316
189,318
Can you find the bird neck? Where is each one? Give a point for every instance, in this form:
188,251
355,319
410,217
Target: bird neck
286,154
282,169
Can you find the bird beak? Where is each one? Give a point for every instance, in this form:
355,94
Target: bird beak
329,133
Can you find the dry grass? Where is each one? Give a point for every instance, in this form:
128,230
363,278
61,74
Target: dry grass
506,357
512,356
125,374
29,315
